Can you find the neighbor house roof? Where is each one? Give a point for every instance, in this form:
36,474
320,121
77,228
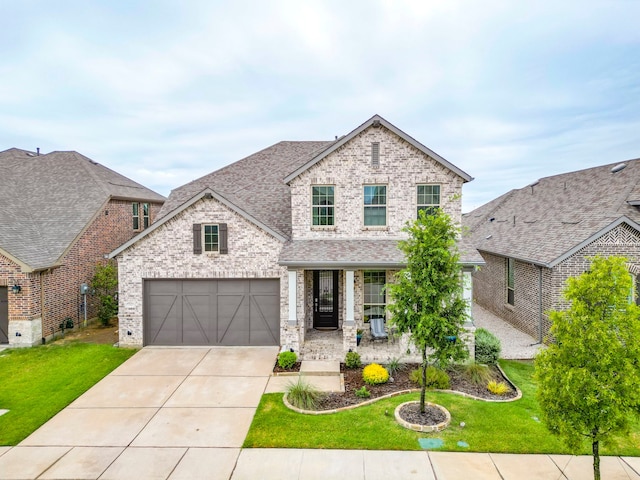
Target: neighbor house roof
46,202
546,221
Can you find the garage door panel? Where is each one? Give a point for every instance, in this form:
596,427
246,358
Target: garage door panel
212,312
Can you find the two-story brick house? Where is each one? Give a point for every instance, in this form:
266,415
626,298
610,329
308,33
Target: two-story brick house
298,238
60,214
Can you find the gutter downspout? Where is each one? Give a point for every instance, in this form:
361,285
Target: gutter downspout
42,317
539,304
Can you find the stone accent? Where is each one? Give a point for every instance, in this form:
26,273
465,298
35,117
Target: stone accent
490,280
25,333
402,168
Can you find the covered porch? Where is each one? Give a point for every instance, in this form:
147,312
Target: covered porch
334,288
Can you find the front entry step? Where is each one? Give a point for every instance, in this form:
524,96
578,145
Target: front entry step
324,375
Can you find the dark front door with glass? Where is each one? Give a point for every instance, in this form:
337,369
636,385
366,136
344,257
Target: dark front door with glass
325,299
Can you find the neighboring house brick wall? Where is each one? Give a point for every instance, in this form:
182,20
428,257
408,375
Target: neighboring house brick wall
490,280
402,167
111,227
168,253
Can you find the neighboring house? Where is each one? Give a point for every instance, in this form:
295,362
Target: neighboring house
534,238
299,236
60,214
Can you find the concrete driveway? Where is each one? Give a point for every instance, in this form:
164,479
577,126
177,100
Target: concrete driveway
165,413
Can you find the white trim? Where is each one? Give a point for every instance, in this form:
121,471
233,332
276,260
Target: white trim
293,302
349,297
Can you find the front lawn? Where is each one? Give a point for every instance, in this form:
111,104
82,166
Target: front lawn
38,382
511,427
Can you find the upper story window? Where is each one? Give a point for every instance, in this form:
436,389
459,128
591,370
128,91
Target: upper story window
375,205
322,205
145,215
211,238
136,216
511,282
428,198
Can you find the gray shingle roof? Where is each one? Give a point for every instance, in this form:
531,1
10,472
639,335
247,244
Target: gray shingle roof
255,183
47,200
545,220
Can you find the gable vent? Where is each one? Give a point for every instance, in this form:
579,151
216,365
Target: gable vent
618,167
375,154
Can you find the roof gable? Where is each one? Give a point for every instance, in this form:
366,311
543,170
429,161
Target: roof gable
46,202
375,121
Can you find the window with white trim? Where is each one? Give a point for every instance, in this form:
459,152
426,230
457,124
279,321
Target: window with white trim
145,215
322,205
428,198
211,238
511,282
375,299
136,215
375,205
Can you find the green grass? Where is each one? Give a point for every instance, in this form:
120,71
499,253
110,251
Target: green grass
38,382
490,427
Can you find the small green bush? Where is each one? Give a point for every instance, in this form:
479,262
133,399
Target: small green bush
487,347
496,388
287,360
436,378
304,395
363,392
375,374
394,366
476,373
352,360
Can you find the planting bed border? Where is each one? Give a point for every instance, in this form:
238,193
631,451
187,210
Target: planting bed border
403,392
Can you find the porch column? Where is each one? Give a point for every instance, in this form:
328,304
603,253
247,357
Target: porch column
467,293
349,318
293,302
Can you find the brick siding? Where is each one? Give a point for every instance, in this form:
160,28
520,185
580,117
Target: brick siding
490,280
59,288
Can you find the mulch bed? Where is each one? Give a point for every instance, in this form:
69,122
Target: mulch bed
400,381
431,416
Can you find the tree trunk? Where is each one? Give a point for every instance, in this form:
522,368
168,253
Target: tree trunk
596,460
423,390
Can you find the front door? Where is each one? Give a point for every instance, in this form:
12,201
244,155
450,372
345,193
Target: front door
4,315
325,299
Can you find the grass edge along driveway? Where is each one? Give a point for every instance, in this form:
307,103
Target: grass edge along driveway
508,427
40,381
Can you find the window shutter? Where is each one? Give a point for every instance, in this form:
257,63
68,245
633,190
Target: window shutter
222,238
197,238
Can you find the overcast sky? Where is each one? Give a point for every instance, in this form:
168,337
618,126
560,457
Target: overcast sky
164,92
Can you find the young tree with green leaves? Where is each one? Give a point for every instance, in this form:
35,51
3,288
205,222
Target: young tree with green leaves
427,298
589,377
105,286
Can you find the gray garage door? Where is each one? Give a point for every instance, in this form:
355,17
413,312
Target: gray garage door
212,312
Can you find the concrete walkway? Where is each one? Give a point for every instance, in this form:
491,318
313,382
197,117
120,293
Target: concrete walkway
183,413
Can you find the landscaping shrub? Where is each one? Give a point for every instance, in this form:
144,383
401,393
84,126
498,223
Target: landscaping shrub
394,366
375,374
287,360
476,373
352,360
303,395
363,392
496,388
487,347
436,378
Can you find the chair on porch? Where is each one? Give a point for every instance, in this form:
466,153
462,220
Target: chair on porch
376,324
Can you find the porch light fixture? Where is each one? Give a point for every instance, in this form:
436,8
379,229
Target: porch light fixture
16,288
